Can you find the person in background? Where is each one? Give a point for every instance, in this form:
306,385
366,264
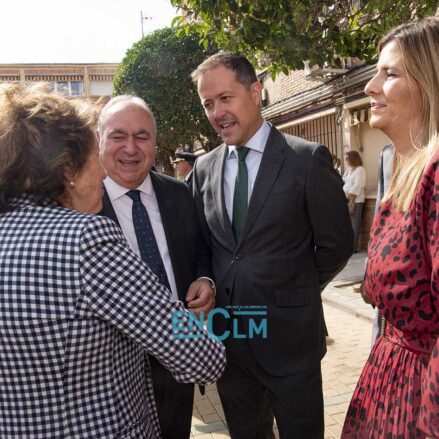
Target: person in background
184,163
78,309
402,274
336,163
260,198
168,238
354,180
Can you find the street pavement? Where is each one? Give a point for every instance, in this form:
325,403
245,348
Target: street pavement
349,322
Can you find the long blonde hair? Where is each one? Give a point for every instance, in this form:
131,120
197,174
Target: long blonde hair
419,44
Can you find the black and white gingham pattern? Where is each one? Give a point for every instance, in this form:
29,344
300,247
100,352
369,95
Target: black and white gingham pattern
77,310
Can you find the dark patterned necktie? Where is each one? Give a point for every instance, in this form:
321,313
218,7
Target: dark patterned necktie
240,196
149,250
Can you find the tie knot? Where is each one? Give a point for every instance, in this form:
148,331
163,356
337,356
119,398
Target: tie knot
134,195
241,153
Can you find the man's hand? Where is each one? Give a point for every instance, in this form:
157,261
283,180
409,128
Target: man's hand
200,297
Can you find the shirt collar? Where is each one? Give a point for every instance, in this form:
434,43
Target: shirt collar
115,190
257,142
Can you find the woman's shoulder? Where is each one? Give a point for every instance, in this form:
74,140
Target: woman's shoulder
431,174
434,164
427,197
78,224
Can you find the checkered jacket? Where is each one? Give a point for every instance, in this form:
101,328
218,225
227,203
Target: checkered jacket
78,310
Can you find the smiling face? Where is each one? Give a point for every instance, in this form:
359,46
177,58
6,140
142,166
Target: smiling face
127,144
395,98
232,108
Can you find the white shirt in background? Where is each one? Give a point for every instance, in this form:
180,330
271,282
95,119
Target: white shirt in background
355,182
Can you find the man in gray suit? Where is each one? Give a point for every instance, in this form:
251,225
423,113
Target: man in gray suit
274,211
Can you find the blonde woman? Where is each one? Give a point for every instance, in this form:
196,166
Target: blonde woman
402,276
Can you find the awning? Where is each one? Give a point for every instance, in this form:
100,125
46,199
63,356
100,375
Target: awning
360,116
53,77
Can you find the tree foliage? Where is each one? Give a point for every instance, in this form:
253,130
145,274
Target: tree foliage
157,68
284,33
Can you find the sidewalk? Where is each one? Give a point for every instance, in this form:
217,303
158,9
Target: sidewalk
339,293
349,322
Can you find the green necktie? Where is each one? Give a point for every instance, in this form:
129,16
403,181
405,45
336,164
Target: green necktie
240,196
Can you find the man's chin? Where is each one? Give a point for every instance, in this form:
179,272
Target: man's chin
229,140
130,181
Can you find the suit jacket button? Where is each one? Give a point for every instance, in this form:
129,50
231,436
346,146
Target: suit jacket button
238,256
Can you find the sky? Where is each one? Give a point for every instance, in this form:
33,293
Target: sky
76,31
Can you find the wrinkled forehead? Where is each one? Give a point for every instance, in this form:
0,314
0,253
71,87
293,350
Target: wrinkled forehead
217,81
127,116
122,110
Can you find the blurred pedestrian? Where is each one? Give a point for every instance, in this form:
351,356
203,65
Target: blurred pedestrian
184,163
354,180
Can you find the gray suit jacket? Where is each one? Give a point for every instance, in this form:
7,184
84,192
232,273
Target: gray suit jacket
297,237
384,174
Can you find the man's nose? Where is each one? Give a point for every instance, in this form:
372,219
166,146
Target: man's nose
219,112
130,145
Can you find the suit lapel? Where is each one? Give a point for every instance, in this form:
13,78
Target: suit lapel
166,210
107,208
271,163
217,173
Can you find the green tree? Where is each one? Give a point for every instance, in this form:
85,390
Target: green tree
283,33
157,68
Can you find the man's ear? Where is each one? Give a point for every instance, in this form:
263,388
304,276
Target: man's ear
256,91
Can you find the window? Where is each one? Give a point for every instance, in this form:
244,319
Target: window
76,88
69,88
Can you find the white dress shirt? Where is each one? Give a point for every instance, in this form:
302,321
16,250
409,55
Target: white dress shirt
123,205
355,182
253,160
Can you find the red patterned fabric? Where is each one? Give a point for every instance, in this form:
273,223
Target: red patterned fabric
429,417
403,280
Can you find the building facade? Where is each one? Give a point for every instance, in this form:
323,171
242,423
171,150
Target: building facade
90,80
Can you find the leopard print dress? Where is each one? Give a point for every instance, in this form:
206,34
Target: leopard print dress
429,416
402,278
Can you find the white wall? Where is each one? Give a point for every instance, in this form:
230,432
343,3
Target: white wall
367,141
101,88
372,142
